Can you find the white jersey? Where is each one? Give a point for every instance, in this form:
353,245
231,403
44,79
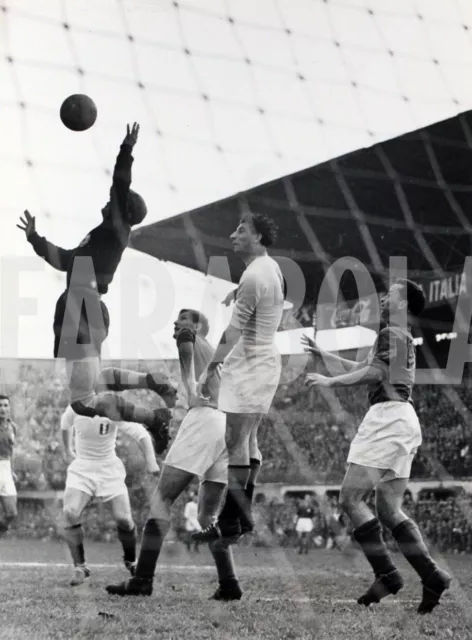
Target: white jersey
259,303
95,438
251,371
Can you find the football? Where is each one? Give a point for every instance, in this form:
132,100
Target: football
78,112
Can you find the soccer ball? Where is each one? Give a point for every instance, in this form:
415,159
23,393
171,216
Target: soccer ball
78,112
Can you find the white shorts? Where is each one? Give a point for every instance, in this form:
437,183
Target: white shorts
199,447
249,381
104,479
7,486
388,438
304,525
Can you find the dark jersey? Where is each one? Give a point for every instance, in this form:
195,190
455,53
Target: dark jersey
7,438
305,512
103,245
394,353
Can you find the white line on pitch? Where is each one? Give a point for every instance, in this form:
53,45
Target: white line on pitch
333,601
162,567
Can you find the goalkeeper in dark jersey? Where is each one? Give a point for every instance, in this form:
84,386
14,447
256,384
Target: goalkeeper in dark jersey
81,318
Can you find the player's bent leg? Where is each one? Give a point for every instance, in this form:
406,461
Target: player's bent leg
10,511
228,583
358,482
74,503
114,379
210,502
172,483
116,408
255,462
238,430
389,497
126,529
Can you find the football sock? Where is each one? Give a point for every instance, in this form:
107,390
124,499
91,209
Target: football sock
369,537
114,407
114,379
75,541
411,544
254,469
235,496
223,557
155,530
128,542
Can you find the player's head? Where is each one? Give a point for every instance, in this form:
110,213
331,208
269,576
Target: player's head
192,319
403,294
136,212
254,231
137,208
4,407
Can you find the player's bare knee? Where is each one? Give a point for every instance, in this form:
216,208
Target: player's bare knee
71,516
125,523
349,500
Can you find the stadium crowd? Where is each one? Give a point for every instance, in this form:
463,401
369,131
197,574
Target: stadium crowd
304,439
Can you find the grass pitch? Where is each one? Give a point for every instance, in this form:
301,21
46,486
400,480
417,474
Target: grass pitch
286,596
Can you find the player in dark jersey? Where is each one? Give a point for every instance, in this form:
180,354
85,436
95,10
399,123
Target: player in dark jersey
382,451
304,525
8,496
81,318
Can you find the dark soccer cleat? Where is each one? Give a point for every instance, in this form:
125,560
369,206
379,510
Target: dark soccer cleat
225,595
81,574
159,429
161,384
433,588
132,587
384,585
208,534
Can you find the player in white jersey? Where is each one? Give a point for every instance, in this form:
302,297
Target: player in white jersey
95,471
251,365
199,450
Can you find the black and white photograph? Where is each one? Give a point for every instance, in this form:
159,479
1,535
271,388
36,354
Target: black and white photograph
235,319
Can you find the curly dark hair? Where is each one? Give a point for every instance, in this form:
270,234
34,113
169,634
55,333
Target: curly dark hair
264,225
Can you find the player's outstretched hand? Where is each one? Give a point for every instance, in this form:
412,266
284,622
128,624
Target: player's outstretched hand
131,136
28,223
230,298
317,380
310,346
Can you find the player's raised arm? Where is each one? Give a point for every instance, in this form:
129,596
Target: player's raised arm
120,190
332,361
138,433
186,344
67,424
57,257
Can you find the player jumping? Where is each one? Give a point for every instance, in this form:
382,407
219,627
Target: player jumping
95,471
81,318
383,449
7,478
251,367
198,450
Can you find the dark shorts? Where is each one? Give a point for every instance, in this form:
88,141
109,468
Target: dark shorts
81,323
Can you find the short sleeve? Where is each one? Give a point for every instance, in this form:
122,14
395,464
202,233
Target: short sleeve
249,294
67,419
133,430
